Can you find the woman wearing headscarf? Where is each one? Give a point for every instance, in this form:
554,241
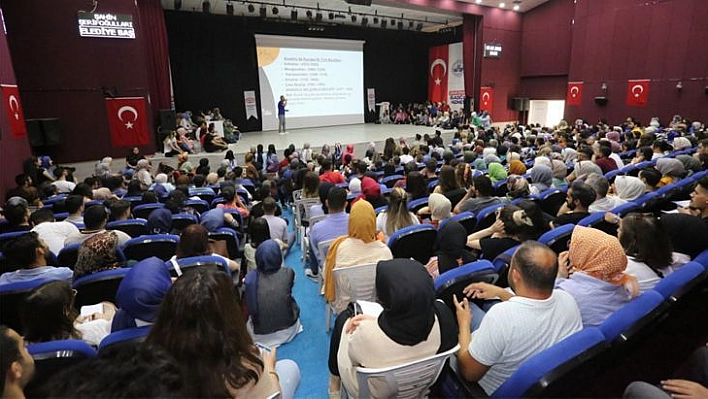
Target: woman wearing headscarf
560,172
479,164
412,325
671,170
592,271
583,169
488,159
569,155
97,253
159,221
496,172
629,188
348,151
355,186
360,246
103,167
274,317
140,294
439,208
517,167
541,179
450,249
371,192
691,165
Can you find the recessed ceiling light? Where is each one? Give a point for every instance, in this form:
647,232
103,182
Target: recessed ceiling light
502,5
516,7
479,1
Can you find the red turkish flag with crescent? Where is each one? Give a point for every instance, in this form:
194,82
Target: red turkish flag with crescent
11,98
127,121
637,92
437,73
575,93
486,99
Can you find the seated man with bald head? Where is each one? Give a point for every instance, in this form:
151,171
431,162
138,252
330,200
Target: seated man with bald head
525,323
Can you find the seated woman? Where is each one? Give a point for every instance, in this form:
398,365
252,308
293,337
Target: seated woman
48,314
496,172
371,192
511,227
450,251
413,325
140,294
259,232
233,201
592,271
200,325
628,188
98,253
359,247
672,170
542,179
274,317
194,241
170,145
212,142
449,186
396,216
439,208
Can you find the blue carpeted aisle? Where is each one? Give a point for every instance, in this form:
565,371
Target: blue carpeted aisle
311,347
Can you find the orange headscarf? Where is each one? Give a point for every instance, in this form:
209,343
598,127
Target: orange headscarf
362,225
517,167
600,255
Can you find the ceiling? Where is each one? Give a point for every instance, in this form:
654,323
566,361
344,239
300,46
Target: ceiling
430,19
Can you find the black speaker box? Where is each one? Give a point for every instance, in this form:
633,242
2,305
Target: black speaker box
519,104
52,131
168,119
34,132
601,101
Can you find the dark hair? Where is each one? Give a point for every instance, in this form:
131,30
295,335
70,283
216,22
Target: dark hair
259,231
535,274
310,184
149,197
83,190
175,201
199,180
337,198
73,203
134,189
703,182
447,179
416,185
9,353
582,192
483,184
651,175
95,217
228,193
325,165
201,325
269,205
644,238
21,179
599,183
41,216
431,165
194,241
48,313
127,371
515,219
540,224
646,152
605,150
22,250
119,207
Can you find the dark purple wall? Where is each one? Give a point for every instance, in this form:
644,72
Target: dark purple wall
12,151
62,75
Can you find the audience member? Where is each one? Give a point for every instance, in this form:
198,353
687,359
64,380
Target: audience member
334,225
95,220
541,178
16,364
699,201
277,225
396,216
327,175
24,189
53,233
194,241
17,214
450,249
509,229
651,177
98,253
628,188
603,202
74,204
478,197
31,254
140,294
578,200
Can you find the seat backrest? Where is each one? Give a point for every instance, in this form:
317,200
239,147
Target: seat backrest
415,205
68,256
415,242
180,221
624,323
123,338
503,260
98,287
551,200
410,380
5,237
323,248
53,357
231,237
302,210
558,238
199,261
316,219
199,205
678,283
702,259
161,245
131,227
624,209
359,281
143,211
452,282
549,366
390,181
487,216
11,297
468,220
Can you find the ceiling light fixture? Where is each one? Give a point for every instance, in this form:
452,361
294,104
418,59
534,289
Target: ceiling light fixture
229,8
206,7
502,5
293,15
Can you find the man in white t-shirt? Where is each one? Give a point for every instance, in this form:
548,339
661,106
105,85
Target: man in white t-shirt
534,319
52,232
63,186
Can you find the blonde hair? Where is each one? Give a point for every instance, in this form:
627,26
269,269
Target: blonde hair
397,215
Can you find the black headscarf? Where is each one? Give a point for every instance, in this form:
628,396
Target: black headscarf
450,246
406,292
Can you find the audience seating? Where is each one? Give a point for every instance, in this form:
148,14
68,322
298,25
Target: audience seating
380,209
610,176
200,205
631,318
487,216
452,282
551,200
625,209
98,287
205,194
68,256
359,281
11,297
180,221
702,259
500,188
123,338
558,238
134,201
390,181
597,220
198,261
53,357
467,219
231,237
409,380
323,248
143,211
432,184
131,227
216,201
5,237
680,282
305,240
501,266
415,205
61,216
161,245
415,242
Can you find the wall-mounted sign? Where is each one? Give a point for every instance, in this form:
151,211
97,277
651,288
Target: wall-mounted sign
113,26
492,50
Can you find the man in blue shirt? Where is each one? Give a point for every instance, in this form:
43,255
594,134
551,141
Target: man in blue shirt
336,224
31,253
281,115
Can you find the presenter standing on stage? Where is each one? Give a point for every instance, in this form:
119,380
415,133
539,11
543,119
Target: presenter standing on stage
281,115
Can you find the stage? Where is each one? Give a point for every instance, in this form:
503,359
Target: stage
359,135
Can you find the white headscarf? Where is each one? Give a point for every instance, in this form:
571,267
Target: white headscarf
629,188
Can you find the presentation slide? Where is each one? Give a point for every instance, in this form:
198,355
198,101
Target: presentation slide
322,80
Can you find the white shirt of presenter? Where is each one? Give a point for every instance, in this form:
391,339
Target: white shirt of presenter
281,114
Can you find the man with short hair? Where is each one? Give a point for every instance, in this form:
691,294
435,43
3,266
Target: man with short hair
95,220
527,322
602,202
577,201
52,232
74,204
120,210
25,190
17,214
16,364
651,178
602,158
277,225
63,186
478,196
29,252
334,225
699,201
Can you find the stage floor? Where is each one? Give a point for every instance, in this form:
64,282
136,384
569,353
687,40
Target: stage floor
359,135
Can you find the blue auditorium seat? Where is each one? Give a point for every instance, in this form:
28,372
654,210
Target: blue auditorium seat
487,216
415,205
118,339
180,221
131,227
678,283
415,242
199,261
632,317
161,245
231,237
11,296
558,238
467,219
98,287
52,357
68,255
143,211
452,282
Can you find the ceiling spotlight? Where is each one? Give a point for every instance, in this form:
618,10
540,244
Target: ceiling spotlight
353,18
479,1
502,5
376,20
517,5
384,23
419,27
318,17
178,4
364,21
263,12
331,16
275,10
206,6
251,8
309,14
293,15
229,9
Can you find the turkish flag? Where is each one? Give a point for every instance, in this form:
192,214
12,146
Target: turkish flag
575,93
486,99
11,98
637,92
127,121
437,73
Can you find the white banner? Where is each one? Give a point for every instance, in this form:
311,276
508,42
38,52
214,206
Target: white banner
249,98
371,99
455,77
